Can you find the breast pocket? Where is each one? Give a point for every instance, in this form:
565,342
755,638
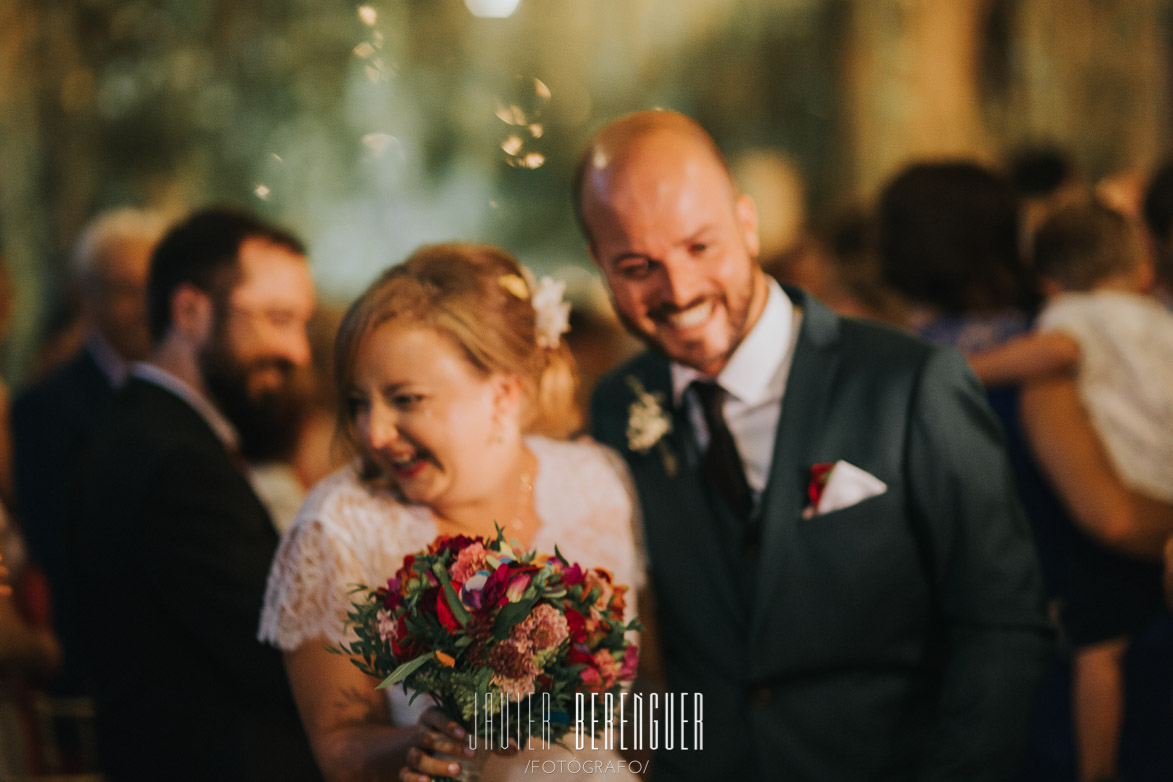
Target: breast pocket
865,561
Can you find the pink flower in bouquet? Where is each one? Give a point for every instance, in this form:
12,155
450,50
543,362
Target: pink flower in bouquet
630,663
517,587
386,625
605,664
591,678
545,628
471,560
572,575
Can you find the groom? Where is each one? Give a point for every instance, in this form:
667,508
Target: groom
838,559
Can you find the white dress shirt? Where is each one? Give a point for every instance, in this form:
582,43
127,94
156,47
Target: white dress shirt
754,381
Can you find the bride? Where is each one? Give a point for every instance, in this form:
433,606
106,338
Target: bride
455,391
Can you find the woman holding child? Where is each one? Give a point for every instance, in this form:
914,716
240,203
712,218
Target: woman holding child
457,394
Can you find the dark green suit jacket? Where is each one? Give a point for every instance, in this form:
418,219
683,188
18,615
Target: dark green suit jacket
901,638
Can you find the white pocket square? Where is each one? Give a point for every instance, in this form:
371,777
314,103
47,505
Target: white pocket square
846,485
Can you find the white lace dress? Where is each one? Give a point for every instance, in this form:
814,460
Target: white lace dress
348,533
1125,379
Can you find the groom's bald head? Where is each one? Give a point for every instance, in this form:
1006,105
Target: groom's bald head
625,141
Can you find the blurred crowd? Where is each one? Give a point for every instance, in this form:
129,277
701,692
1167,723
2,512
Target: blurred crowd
1058,289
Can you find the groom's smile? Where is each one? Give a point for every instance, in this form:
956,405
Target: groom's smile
677,247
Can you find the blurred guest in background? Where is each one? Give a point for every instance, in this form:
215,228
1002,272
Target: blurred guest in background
1099,323
174,543
837,264
948,239
1045,179
53,420
28,653
1158,218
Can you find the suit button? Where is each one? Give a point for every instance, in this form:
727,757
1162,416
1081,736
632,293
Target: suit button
762,696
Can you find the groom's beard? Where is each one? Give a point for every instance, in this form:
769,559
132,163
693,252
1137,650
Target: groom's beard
268,421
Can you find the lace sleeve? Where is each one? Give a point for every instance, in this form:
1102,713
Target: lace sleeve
345,535
318,564
309,586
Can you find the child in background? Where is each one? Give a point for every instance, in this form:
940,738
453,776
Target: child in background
1100,324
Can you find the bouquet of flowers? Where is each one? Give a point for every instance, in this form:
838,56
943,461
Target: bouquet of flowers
483,628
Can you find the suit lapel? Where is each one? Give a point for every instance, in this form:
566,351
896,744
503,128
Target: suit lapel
808,387
678,520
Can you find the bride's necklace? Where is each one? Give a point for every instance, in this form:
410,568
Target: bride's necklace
525,496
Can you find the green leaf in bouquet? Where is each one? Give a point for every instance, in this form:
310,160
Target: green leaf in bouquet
559,557
484,677
592,596
405,670
511,615
458,609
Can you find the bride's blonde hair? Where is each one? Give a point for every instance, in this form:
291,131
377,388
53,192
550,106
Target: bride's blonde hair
478,297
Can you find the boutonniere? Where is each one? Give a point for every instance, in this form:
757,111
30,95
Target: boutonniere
648,423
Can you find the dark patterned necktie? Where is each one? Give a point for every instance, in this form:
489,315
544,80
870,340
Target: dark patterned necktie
721,463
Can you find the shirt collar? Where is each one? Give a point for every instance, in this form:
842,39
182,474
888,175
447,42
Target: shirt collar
750,371
113,366
169,382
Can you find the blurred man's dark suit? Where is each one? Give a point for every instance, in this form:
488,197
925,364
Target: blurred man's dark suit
177,549
52,424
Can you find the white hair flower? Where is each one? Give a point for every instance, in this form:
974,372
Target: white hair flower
551,312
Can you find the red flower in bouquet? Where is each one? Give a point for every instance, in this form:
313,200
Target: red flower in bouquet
576,625
444,612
